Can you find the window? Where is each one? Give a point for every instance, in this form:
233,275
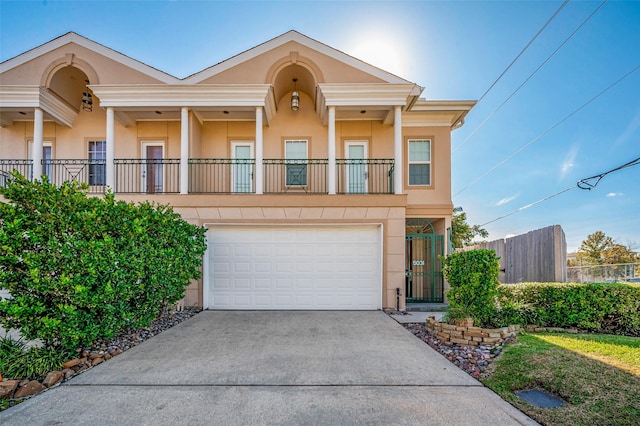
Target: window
419,162
97,162
295,154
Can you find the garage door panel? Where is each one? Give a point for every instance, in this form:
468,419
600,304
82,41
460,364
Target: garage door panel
304,283
295,267
283,283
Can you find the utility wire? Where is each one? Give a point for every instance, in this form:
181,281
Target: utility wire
582,184
523,50
530,75
537,138
588,185
531,205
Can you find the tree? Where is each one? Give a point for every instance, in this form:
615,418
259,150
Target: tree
619,253
592,248
600,249
462,233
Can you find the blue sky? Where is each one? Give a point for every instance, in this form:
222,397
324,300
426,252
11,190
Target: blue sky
456,50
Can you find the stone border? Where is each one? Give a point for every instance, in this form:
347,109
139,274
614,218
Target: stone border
470,336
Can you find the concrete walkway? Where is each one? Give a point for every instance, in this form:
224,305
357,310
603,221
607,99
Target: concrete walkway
289,368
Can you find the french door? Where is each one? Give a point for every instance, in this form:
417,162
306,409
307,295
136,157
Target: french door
242,167
152,168
356,170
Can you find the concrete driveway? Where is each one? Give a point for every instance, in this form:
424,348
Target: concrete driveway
292,368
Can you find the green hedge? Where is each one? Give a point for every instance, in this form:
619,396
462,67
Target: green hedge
598,307
82,268
473,281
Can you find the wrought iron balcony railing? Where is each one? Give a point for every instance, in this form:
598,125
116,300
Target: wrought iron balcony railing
221,176
216,175
24,167
147,176
364,176
295,176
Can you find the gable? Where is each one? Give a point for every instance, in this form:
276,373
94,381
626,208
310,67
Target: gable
259,64
37,66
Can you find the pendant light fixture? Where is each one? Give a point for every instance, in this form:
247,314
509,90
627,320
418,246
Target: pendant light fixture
87,99
295,97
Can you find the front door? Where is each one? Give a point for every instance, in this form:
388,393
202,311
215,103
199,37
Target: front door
356,171
152,168
242,167
424,279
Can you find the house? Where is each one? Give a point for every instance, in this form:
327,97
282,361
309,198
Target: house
324,182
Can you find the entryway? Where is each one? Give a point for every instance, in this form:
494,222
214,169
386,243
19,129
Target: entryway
423,271
152,171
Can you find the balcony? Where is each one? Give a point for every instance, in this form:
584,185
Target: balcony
216,175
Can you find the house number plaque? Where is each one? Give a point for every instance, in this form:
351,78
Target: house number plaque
418,263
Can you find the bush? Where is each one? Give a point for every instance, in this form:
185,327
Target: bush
597,307
82,268
473,277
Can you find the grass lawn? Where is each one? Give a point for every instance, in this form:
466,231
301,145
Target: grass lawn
598,377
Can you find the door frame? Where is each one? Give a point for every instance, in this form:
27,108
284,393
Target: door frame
424,280
365,144
252,155
144,189
45,144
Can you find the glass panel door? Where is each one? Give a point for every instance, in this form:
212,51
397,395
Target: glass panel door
296,158
242,167
357,175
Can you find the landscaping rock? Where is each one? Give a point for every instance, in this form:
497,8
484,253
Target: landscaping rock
53,378
31,388
472,359
73,362
7,388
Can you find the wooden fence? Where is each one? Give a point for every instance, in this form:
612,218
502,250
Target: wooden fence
537,256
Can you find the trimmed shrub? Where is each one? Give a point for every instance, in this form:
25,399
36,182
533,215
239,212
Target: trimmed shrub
598,307
82,268
473,277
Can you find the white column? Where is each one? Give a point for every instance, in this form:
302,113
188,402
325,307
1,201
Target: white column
259,153
332,149
184,151
397,151
38,136
111,149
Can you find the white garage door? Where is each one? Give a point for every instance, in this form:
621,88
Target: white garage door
294,267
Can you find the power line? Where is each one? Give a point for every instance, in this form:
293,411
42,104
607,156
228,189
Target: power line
528,78
586,184
537,138
582,184
523,50
530,205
